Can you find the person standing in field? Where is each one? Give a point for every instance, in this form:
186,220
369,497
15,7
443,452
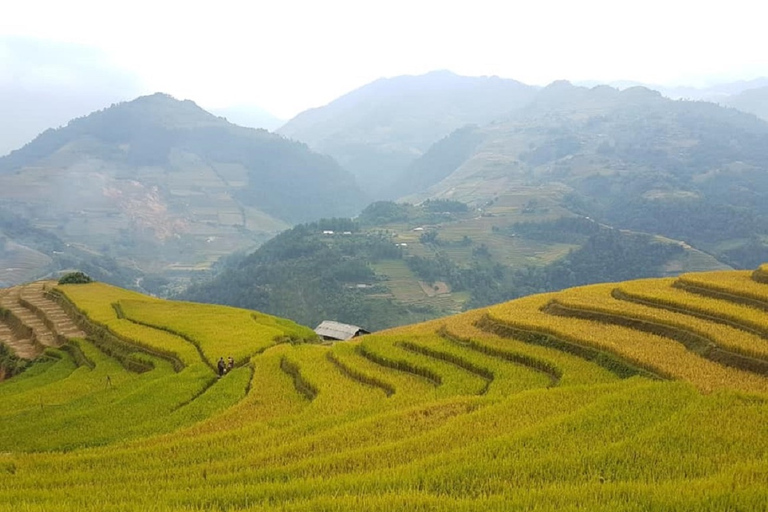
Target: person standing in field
221,366
230,364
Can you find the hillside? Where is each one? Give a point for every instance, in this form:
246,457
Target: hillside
163,188
377,131
495,409
691,171
398,263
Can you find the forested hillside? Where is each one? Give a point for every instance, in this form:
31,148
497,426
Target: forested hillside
399,263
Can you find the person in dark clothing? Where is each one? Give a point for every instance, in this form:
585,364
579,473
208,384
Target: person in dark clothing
221,366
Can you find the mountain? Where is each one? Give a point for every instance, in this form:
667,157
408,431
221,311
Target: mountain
249,116
691,171
716,92
378,130
161,185
753,101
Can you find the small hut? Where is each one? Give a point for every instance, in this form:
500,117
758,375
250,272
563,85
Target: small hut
330,330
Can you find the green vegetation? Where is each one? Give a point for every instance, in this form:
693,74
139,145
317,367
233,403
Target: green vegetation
312,275
399,263
75,278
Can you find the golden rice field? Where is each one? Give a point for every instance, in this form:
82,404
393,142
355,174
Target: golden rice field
649,395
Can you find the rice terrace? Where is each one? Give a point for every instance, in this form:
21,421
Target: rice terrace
634,396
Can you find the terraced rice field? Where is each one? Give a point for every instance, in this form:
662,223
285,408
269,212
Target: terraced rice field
644,395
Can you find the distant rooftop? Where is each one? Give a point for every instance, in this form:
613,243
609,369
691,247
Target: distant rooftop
331,330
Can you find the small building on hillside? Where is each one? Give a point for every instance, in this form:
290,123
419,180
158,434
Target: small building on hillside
330,330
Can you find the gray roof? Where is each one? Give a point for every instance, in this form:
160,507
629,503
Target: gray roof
338,331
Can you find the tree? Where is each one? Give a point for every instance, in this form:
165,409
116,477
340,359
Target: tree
75,278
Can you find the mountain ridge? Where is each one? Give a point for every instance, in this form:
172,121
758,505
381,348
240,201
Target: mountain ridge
161,183
376,130
622,155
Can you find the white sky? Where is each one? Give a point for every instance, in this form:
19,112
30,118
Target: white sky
289,55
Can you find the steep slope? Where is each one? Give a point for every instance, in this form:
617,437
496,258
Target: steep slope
692,171
377,130
158,183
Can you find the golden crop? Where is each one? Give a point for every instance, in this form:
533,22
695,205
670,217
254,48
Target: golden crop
97,301
661,293
658,354
526,405
734,285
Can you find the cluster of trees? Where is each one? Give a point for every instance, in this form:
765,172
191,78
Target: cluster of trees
697,221
734,234
75,278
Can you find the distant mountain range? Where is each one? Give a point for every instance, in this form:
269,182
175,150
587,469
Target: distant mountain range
707,93
754,101
161,184
693,171
378,130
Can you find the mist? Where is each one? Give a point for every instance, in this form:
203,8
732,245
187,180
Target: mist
45,84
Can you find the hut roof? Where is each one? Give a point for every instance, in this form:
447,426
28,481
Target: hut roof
338,331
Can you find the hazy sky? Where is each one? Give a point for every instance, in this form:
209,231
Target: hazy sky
289,55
